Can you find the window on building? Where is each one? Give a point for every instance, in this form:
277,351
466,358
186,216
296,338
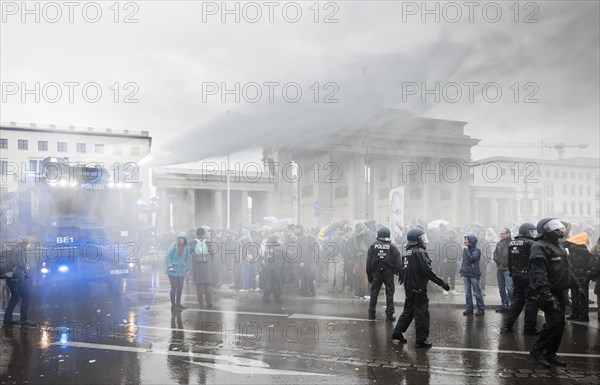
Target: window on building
572,175
556,174
135,150
415,194
547,174
118,149
572,190
307,190
588,176
23,144
340,192
589,208
33,165
61,146
564,175
3,143
580,190
99,148
580,208
573,211
42,145
564,189
565,208
580,175
589,191
81,148
3,167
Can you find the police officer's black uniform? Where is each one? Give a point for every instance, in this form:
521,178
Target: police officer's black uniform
550,274
383,260
416,273
19,286
519,251
581,261
273,265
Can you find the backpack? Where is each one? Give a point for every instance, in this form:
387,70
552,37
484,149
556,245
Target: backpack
7,265
201,250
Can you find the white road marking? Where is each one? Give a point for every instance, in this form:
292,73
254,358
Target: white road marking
236,365
254,370
510,351
232,359
324,317
191,330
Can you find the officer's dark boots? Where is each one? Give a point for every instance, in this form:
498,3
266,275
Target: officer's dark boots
553,359
423,344
539,357
398,338
390,318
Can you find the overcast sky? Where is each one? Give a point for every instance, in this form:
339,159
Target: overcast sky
542,56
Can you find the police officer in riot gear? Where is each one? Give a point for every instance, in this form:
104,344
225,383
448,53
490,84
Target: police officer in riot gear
550,274
416,273
519,251
383,261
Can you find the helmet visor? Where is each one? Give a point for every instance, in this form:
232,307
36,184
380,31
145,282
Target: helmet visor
554,224
423,238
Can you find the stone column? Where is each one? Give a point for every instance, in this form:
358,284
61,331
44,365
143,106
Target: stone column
162,222
493,212
243,202
218,215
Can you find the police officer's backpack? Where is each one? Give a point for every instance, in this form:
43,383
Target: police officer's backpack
7,266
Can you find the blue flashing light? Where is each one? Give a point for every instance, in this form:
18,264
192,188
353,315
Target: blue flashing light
63,268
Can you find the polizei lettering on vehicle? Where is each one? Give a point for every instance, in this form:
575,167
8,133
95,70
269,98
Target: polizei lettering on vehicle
92,186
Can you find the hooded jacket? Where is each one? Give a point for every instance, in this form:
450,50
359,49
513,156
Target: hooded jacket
470,259
180,264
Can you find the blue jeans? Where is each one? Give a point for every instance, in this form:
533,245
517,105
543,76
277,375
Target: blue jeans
505,284
248,276
473,282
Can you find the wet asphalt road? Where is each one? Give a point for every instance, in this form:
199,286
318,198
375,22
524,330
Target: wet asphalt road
137,339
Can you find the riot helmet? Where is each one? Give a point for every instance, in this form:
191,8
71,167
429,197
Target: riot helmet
416,236
552,228
528,230
383,234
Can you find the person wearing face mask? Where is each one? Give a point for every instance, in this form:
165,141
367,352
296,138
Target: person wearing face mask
550,274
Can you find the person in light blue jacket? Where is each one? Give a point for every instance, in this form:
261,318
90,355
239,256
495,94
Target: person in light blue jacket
178,256
471,274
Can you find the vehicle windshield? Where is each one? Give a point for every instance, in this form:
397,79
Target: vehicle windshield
110,207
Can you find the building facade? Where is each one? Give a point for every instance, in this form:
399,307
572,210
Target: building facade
22,147
350,175
506,190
